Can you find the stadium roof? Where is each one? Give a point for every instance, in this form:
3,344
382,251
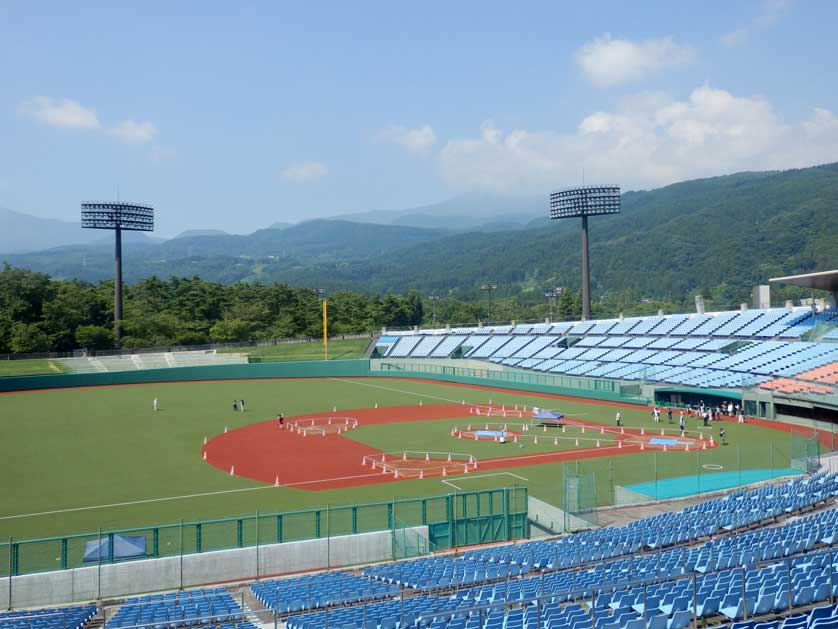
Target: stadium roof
823,280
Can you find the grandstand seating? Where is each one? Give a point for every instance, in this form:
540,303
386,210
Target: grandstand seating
738,510
156,360
54,618
178,609
314,591
819,381
721,350
626,589
712,560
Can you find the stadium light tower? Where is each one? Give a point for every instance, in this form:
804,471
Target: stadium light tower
489,288
117,216
584,202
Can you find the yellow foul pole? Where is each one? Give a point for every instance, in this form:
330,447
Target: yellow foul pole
325,332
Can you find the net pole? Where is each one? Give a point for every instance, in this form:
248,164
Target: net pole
564,479
99,566
655,472
328,539
181,553
257,546
393,526
698,470
10,573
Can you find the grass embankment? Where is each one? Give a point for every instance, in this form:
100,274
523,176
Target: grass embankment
31,367
339,349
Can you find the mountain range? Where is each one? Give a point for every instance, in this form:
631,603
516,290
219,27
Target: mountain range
731,232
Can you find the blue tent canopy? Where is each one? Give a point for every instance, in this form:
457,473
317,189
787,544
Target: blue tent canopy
547,415
124,547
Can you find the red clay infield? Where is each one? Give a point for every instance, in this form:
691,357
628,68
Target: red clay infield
264,453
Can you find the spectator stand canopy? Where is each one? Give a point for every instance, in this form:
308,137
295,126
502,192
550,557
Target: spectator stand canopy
124,547
823,280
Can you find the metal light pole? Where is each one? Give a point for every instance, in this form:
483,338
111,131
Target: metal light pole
489,288
433,299
584,202
117,217
321,293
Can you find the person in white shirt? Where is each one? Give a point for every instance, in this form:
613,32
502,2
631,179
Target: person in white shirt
155,404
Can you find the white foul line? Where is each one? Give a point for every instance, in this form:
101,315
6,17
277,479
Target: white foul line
133,502
462,478
184,497
378,386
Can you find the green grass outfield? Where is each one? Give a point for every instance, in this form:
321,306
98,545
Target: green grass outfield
67,449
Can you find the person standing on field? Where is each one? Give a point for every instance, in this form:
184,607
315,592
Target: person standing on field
155,404
619,419
241,406
235,406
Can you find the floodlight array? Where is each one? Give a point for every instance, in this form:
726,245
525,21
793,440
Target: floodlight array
585,201
117,215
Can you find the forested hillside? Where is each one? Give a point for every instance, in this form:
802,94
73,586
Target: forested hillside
724,233
720,236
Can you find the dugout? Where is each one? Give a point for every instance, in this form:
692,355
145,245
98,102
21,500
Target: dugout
685,396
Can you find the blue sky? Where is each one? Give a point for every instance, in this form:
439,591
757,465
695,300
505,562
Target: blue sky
237,115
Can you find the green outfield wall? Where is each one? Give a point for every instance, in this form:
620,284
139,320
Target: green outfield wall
299,369
593,388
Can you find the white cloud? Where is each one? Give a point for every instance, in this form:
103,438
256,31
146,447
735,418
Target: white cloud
69,114
769,14
133,132
304,172
60,113
414,140
650,140
607,61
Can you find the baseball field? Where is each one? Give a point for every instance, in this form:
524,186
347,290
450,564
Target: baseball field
81,459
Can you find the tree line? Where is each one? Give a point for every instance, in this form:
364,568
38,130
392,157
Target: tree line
42,314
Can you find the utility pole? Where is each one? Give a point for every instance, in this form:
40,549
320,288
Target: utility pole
433,299
552,295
